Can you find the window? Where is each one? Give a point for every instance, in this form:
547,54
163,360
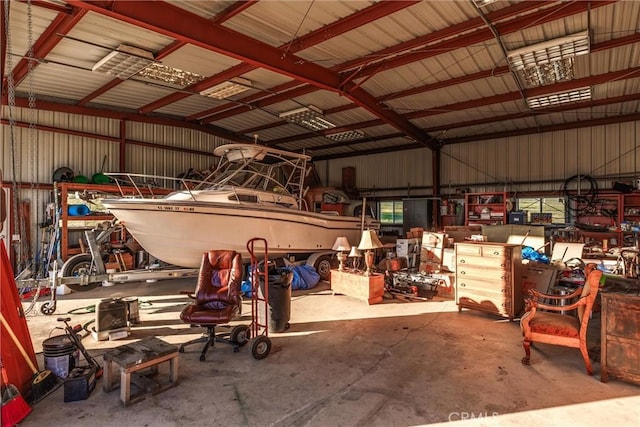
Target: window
551,205
391,212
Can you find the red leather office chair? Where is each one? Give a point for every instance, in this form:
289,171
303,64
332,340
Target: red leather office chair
217,300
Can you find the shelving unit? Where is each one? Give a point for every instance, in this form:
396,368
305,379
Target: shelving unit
72,226
630,218
486,208
599,219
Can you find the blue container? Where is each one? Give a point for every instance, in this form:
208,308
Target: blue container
78,210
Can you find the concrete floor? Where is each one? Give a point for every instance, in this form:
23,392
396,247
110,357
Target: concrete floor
345,363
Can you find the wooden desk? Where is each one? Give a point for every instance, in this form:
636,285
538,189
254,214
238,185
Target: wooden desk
132,359
366,288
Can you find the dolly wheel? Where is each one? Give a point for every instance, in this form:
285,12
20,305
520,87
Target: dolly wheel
260,347
240,335
48,308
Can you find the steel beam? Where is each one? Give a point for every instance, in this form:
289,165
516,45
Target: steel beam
61,25
445,33
119,115
537,18
177,23
334,29
228,13
550,128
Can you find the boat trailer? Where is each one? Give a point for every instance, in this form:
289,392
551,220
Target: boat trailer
88,271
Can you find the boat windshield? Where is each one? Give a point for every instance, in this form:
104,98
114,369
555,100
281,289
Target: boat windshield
272,172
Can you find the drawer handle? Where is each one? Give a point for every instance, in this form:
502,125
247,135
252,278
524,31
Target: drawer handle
503,277
462,261
503,290
463,272
496,253
504,304
503,265
462,285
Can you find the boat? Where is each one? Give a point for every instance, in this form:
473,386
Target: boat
254,191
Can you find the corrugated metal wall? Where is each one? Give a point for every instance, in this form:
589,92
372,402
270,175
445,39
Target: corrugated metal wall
523,163
84,144
526,163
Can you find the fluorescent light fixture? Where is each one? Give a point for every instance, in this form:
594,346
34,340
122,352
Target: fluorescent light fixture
227,89
310,117
549,51
549,62
560,98
124,62
349,135
174,76
550,73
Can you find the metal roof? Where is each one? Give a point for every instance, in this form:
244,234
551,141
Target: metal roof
408,74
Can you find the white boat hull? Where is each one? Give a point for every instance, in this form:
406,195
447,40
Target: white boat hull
178,232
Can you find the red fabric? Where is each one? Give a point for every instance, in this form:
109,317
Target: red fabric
18,371
555,324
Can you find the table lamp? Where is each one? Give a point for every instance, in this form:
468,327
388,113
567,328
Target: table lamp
369,243
354,255
341,245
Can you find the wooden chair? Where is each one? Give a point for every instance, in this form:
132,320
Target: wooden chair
552,327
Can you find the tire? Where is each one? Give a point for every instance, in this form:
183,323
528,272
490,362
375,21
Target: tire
323,266
240,335
260,347
78,265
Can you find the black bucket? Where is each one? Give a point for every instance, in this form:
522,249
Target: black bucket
60,355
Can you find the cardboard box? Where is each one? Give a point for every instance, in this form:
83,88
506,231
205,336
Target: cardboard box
406,247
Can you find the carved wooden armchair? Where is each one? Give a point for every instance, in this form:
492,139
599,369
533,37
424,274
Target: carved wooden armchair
551,327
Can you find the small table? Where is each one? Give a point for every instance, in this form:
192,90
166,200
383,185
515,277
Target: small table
131,358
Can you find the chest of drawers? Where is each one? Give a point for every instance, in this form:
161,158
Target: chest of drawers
620,337
488,278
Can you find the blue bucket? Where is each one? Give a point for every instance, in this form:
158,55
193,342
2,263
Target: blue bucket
78,210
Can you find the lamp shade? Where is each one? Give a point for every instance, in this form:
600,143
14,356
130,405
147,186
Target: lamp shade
341,244
355,253
369,240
